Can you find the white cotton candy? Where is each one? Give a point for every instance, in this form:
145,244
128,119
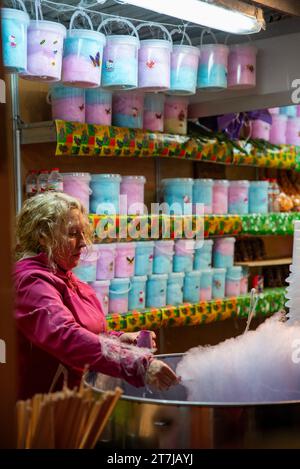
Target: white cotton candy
258,366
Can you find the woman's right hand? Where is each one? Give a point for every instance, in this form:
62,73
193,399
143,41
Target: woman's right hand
160,375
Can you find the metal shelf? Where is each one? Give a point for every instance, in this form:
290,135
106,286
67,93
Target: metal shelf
266,262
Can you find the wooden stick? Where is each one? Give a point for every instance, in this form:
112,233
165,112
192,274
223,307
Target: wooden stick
21,410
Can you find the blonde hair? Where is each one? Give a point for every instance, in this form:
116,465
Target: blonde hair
45,216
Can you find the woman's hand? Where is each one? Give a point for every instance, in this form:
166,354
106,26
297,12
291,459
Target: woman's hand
132,337
160,375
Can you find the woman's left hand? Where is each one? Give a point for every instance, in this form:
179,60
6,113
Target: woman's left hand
132,337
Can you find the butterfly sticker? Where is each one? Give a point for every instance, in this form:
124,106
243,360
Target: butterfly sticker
55,42
81,107
96,60
109,65
150,64
141,296
186,199
158,116
111,267
217,283
42,42
135,111
130,260
250,68
108,111
12,40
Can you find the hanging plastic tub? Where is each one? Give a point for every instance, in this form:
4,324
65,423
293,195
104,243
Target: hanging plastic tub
105,195
156,291
278,129
120,58
153,118
220,196
128,109
67,103
14,24
98,107
87,267
144,253
242,66
155,61
223,254
191,288
176,112
78,185
175,288
177,195
118,295
82,57
233,281
213,65
137,293
106,261
293,131
184,67
202,194
125,260
163,257
238,197
45,41
101,288
132,192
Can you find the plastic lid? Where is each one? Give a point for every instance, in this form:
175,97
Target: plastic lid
76,174
222,240
140,244
223,182
12,13
43,24
177,180
164,242
100,283
239,183
190,49
142,278
105,246
176,275
214,46
134,178
219,270
86,33
259,183
115,177
193,273
236,47
123,38
203,181
234,270
158,276
157,43
125,245
206,271
200,243
120,280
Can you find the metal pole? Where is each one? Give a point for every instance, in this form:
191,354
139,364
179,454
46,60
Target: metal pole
15,106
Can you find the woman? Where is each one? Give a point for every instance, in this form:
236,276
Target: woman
59,318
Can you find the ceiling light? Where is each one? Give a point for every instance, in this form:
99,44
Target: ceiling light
232,16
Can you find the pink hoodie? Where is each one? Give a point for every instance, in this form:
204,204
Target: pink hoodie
59,319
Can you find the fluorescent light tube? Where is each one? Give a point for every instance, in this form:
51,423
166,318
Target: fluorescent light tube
231,16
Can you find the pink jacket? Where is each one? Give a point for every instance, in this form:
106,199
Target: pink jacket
59,319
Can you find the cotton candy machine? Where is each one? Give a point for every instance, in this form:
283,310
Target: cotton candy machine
165,419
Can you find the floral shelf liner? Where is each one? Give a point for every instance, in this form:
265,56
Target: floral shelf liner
108,228
142,227
270,302
76,139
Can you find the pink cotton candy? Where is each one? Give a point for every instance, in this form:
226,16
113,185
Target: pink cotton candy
259,366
